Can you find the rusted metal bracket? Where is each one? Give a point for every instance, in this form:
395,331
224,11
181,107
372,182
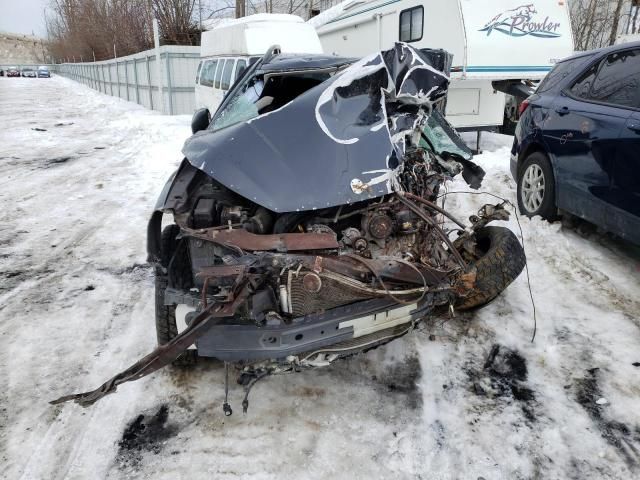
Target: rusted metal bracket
283,242
163,354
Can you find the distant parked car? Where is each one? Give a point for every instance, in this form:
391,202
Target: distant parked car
43,72
13,72
28,72
576,145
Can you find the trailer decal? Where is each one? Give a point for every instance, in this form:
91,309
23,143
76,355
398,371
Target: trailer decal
520,21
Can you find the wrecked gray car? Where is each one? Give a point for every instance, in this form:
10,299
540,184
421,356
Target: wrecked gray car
305,219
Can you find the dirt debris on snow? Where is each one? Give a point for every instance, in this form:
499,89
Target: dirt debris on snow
406,410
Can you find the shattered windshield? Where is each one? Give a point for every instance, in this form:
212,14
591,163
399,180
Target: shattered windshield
264,93
241,107
440,137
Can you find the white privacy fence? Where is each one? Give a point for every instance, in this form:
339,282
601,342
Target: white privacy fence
167,86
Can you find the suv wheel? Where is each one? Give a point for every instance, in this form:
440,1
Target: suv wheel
536,187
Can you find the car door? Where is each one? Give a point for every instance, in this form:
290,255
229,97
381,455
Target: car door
583,134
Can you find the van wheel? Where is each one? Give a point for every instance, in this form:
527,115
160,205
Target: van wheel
166,326
536,187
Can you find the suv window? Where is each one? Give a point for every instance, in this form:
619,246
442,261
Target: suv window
560,71
411,21
219,72
582,87
615,80
198,72
226,75
618,80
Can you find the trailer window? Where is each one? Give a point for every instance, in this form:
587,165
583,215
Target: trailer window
219,72
226,75
208,70
411,24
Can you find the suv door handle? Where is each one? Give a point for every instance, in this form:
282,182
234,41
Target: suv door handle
562,110
634,125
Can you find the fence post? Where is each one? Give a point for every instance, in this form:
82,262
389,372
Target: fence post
110,79
104,80
156,41
118,78
135,79
169,92
149,83
126,77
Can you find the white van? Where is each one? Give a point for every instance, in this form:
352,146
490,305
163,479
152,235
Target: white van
230,47
496,44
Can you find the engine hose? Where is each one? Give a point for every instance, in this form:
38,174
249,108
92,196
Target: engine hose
418,211
434,207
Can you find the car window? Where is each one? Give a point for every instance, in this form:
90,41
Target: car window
411,21
226,75
560,71
219,73
618,79
240,67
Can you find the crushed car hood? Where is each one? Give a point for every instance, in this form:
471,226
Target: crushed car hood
337,143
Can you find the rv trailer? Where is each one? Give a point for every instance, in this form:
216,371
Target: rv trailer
499,47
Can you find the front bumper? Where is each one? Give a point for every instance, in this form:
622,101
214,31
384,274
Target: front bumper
249,342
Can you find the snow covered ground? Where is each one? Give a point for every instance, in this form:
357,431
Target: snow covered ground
79,175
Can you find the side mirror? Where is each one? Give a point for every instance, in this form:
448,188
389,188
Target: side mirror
200,120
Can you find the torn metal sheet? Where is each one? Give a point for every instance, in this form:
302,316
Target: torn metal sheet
362,114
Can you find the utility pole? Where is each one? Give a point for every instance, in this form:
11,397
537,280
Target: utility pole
200,15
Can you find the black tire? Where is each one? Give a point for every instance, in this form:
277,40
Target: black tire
547,208
502,261
166,326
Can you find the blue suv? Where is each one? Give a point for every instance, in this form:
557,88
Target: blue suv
577,144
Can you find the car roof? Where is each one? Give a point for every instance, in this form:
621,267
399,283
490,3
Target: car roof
284,62
603,50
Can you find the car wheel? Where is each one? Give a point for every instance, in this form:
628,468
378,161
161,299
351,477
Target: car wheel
500,262
536,187
166,325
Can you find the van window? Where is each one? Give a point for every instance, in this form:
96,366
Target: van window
198,72
411,21
226,75
208,70
219,72
240,67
